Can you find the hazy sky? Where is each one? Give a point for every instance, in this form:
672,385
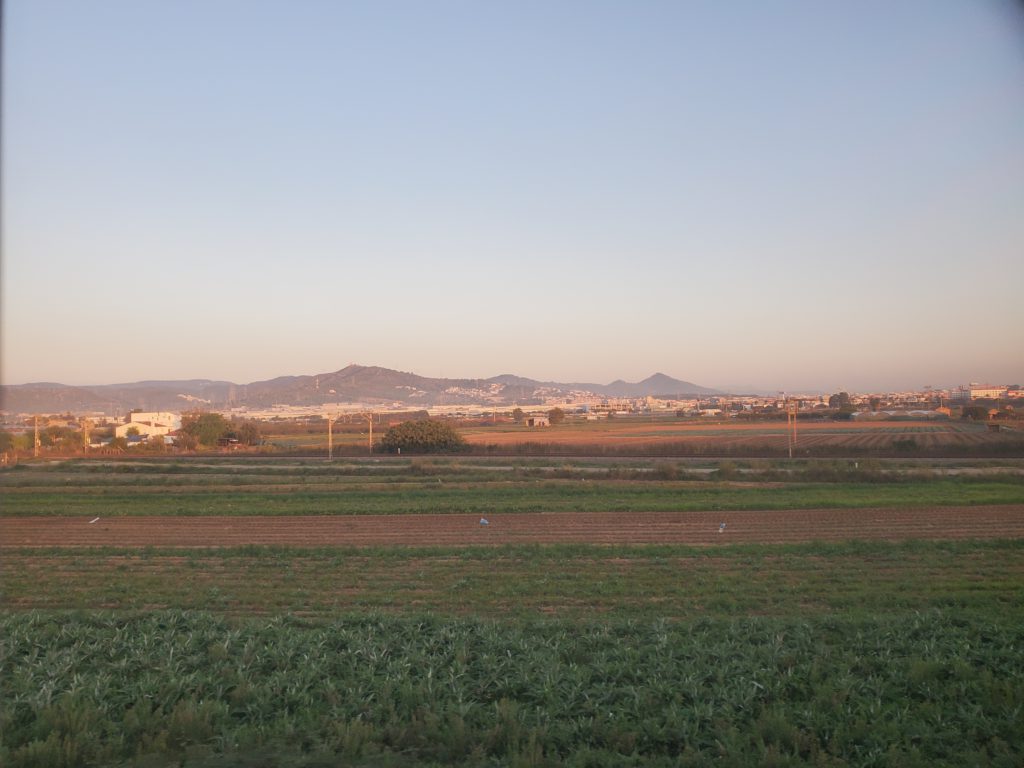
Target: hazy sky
779,194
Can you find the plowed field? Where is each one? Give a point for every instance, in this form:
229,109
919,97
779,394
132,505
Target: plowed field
732,437
695,528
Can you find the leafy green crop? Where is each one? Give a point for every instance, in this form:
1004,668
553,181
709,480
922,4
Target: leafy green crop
924,689
437,494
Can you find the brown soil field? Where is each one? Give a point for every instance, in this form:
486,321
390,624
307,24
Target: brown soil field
688,528
738,435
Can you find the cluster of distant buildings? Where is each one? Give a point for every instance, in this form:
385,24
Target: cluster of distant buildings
970,392
143,425
913,405
918,403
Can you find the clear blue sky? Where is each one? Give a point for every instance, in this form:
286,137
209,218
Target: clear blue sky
784,195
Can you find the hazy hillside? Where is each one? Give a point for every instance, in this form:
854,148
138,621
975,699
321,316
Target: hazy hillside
355,383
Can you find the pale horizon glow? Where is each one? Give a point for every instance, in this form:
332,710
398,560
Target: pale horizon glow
795,196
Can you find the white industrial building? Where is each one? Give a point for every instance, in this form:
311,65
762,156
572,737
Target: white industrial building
979,392
149,424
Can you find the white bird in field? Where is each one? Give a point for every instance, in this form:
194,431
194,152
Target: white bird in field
721,528
484,521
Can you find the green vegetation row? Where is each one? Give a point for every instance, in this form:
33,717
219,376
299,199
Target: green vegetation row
434,495
173,688
249,471
868,579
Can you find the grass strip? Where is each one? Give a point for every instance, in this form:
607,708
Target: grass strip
579,582
517,496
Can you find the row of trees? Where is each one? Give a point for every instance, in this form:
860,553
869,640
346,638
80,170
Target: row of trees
845,408
53,438
197,429
209,429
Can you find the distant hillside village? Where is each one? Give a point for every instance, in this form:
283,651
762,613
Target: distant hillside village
237,428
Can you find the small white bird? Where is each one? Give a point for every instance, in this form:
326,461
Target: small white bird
93,520
484,521
721,528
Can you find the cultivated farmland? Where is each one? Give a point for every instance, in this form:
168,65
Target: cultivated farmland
692,528
668,436
664,436
296,612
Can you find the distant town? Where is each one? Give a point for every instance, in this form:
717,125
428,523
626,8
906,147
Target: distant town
243,425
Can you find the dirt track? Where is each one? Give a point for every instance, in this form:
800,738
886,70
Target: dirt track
697,528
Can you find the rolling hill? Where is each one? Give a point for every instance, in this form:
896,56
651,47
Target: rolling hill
372,385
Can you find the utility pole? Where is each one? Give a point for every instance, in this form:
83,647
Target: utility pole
330,437
35,442
86,423
791,427
368,415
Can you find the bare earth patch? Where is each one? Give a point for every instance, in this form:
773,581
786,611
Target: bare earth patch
694,528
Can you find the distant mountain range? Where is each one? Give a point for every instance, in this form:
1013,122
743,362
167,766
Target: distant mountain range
355,383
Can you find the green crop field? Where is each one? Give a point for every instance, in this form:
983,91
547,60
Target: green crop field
578,582
494,498
909,690
858,653
417,487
